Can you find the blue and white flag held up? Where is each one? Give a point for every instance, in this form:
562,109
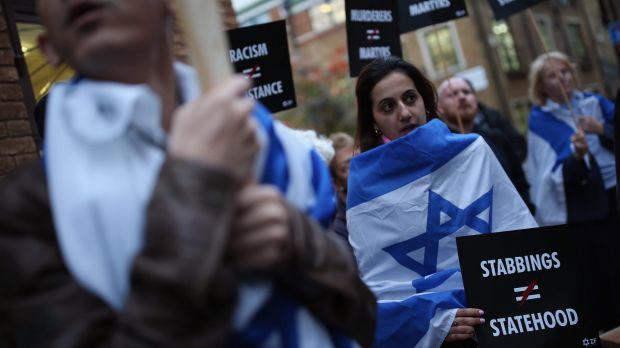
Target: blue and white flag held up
102,165
407,202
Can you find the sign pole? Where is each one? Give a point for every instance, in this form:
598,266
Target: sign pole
447,73
205,36
547,56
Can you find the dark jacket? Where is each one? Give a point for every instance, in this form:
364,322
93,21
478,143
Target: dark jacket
183,291
508,146
491,118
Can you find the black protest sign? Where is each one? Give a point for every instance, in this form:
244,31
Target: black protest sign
372,32
533,285
506,8
416,14
261,53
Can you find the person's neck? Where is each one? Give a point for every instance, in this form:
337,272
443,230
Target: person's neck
468,126
153,67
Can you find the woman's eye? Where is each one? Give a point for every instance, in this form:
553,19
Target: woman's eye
410,98
386,107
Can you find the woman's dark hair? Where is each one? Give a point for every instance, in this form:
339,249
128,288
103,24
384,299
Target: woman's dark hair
373,73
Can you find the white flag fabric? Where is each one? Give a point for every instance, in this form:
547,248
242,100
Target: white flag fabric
407,202
104,148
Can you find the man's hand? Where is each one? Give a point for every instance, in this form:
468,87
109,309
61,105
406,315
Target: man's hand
590,125
463,325
580,143
261,236
217,129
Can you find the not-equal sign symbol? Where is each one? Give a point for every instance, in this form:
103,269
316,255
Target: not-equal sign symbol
253,73
527,293
373,34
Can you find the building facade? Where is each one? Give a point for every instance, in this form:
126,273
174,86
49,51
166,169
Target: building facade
494,55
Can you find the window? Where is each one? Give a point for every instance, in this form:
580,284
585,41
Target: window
544,25
42,74
506,50
520,109
327,14
441,49
577,44
260,19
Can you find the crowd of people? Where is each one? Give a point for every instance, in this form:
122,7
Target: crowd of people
160,216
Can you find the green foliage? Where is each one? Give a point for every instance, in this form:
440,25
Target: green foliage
326,100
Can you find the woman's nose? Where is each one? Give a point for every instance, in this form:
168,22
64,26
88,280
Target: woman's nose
404,112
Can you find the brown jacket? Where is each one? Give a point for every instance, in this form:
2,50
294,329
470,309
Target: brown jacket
182,289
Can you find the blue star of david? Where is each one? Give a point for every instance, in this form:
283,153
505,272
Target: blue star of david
436,231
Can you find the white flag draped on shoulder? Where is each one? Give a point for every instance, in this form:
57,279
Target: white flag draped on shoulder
104,148
407,202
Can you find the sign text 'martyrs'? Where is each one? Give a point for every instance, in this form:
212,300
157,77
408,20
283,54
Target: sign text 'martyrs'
427,6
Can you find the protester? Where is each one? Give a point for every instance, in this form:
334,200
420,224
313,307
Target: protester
570,164
339,167
415,187
457,99
136,188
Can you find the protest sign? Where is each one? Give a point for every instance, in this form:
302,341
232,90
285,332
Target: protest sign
535,287
372,32
416,14
505,8
261,53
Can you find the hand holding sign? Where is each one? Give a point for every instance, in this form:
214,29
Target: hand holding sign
216,129
580,143
463,325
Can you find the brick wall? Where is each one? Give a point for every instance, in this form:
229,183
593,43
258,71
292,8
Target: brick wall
17,144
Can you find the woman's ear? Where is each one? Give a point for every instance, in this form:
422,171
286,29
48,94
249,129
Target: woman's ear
48,50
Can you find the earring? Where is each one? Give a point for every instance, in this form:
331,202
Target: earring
377,130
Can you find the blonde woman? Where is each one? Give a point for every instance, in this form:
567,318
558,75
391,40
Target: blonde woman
571,165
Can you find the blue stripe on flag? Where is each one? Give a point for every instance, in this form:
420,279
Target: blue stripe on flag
553,131
434,280
276,170
382,169
404,323
277,315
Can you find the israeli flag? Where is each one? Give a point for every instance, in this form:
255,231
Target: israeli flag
104,149
407,202
266,316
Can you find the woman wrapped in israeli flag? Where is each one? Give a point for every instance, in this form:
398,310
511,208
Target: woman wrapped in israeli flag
415,188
